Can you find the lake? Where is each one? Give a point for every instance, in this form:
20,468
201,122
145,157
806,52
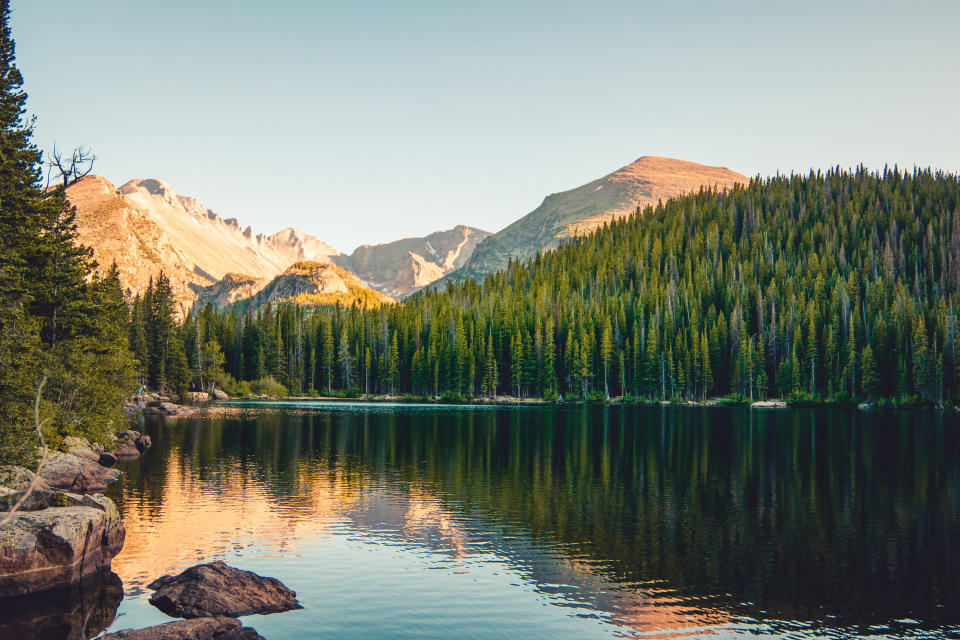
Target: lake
406,521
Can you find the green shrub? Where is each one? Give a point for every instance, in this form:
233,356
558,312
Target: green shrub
268,387
734,400
452,396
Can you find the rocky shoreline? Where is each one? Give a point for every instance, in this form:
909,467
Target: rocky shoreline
57,547
65,530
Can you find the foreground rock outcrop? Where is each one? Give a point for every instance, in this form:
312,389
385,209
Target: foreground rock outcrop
214,628
216,589
56,539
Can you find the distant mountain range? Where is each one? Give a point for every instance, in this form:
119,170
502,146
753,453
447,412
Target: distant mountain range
145,227
405,266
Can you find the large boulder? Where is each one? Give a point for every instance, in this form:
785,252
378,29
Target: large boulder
216,589
218,628
220,395
72,473
46,547
75,612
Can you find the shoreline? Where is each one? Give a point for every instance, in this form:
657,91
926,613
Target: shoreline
511,401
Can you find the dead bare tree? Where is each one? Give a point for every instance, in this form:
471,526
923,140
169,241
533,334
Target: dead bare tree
43,456
69,169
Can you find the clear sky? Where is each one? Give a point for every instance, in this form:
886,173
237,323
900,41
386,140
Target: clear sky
364,121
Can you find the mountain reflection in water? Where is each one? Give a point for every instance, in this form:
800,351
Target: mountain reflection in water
621,521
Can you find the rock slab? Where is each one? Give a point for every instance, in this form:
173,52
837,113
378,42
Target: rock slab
59,545
216,589
213,628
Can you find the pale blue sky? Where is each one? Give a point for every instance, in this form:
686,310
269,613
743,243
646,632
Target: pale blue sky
364,121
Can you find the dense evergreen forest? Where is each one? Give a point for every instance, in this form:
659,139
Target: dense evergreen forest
58,322
829,287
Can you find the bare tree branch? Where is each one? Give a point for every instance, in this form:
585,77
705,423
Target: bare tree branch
70,169
43,456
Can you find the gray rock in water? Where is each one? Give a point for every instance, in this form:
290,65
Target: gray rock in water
127,449
143,443
216,589
213,628
60,545
127,444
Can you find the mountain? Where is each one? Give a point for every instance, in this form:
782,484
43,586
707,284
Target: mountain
402,267
144,226
305,282
644,182
234,287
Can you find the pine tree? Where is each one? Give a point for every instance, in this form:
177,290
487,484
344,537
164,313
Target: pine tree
606,357
920,353
869,380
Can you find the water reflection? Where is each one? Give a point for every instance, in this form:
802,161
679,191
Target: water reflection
652,520
78,612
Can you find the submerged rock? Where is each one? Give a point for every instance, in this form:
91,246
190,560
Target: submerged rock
213,628
75,612
59,539
217,589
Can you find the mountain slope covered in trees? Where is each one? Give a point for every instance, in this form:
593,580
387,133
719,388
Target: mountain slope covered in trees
840,285
642,183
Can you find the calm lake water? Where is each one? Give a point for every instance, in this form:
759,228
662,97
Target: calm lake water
479,522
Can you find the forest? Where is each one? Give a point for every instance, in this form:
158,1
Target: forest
831,287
